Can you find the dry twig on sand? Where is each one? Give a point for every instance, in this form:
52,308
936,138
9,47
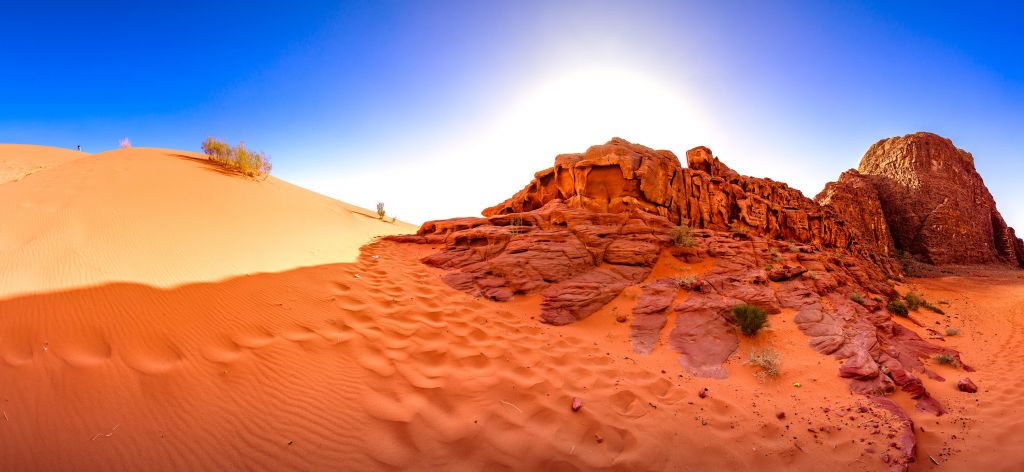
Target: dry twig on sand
511,405
5,415
106,435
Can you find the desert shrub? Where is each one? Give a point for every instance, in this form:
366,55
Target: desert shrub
767,363
934,308
515,225
914,301
776,257
380,210
217,150
857,298
898,308
946,359
738,227
794,248
952,331
810,275
239,159
685,281
750,318
681,236
125,143
769,267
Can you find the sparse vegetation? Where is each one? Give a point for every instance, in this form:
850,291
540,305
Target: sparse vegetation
794,248
515,225
947,359
750,318
380,210
767,363
914,301
769,267
810,275
738,227
776,257
857,298
952,331
681,236
898,308
685,281
125,143
239,159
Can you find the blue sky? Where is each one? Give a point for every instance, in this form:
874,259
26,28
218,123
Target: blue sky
440,109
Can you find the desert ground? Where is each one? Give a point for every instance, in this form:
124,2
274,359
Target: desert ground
157,313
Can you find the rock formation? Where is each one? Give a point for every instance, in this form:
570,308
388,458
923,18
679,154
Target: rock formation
598,222
936,205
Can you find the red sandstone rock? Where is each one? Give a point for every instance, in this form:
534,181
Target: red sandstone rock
650,314
936,204
703,336
965,385
907,440
854,201
598,222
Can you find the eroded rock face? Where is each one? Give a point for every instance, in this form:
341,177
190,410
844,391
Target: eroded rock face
936,204
853,200
619,176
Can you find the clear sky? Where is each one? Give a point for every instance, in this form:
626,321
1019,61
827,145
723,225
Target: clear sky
440,109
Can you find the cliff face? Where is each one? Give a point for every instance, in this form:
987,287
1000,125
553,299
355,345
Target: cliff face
936,204
854,200
620,176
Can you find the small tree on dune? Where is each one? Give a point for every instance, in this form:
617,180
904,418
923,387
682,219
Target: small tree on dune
380,210
125,143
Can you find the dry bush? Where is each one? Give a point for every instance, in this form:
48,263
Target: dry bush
681,236
767,362
380,210
952,331
217,150
240,159
685,281
857,298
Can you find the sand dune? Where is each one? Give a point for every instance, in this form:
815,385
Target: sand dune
140,331
158,217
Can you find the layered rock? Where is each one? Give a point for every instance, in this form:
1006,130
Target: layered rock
936,204
853,200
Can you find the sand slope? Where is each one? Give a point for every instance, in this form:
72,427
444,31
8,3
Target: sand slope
160,217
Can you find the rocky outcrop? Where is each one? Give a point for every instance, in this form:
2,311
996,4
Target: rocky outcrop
853,200
598,222
620,176
935,203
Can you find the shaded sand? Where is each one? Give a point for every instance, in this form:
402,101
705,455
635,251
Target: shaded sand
160,217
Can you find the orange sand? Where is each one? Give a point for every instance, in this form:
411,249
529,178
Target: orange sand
135,334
